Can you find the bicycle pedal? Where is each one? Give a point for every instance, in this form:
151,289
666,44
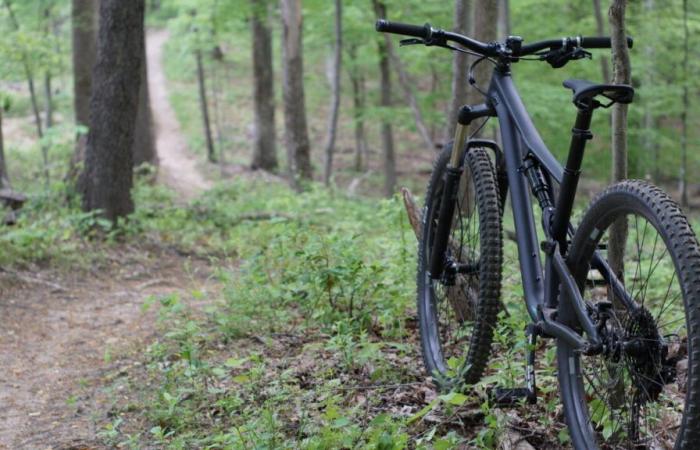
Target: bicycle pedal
512,396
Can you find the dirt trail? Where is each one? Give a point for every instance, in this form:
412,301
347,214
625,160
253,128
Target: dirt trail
63,334
63,331
178,169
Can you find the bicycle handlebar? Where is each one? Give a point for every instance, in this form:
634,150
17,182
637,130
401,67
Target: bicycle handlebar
432,35
428,34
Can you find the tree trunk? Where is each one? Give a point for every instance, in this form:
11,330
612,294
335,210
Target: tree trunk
264,148
296,134
504,19
4,177
335,87
32,94
621,75
204,106
144,148
385,102
358,98
485,30
84,14
683,181
48,98
462,22
107,178
28,73
48,94
650,123
600,29
84,30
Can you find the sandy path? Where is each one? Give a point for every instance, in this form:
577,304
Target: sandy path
178,168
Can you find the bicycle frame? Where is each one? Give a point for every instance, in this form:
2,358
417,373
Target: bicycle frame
530,166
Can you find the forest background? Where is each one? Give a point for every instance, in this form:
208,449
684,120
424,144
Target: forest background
307,337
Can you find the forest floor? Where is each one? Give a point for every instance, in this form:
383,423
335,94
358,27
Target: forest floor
65,331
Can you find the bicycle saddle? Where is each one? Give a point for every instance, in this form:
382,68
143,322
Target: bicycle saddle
586,91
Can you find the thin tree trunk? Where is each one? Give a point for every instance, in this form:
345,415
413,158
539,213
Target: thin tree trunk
204,106
28,73
48,98
4,177
335,87
218,95
600,29
144,148
407,87
385,102
32,94
108,176
621,75
462,22
358,97
485,29
264,148
649,125
296,130
683,181
48,94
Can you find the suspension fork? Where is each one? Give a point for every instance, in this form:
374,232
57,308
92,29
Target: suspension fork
438,256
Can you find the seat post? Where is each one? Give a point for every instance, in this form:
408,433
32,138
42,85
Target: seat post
567,192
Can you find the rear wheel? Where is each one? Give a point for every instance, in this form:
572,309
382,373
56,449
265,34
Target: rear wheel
457,313
642,391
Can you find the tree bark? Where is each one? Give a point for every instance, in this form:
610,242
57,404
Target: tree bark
144,148
683,181
108,175
385,102
358,98
84,34
462,22
296,134
4,177
485,30
504,18
621,75
264,148
84,13
204,106
335,88
600,29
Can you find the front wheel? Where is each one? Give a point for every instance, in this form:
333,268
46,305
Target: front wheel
642,391
457,312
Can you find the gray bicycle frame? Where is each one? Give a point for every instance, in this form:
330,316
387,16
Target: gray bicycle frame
541,288
520,137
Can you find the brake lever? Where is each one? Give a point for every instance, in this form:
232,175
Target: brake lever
412,41
558,58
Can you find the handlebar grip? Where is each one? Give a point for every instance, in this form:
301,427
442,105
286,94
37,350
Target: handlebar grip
419,31
602,42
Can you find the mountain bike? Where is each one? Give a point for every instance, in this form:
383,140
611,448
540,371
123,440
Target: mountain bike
619,294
